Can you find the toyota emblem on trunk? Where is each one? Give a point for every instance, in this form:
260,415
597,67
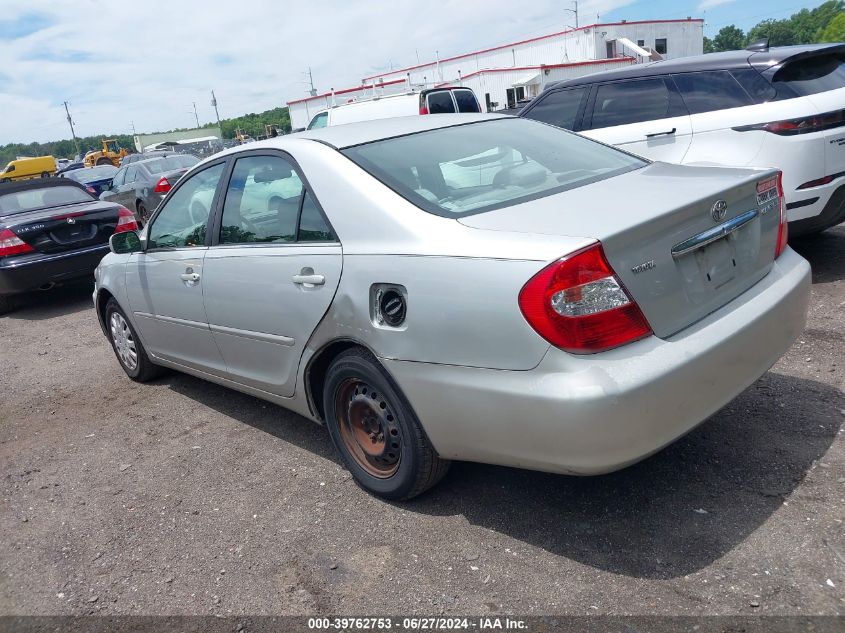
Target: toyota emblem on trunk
719,210
71,221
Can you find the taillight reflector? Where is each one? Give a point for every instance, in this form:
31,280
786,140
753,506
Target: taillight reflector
579,304
783,228
11,244
125,221
162,186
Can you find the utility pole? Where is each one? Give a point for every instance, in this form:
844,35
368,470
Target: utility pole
72,131
216,113
196,116
575,11
313,90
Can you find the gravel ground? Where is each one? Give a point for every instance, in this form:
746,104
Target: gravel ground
182,497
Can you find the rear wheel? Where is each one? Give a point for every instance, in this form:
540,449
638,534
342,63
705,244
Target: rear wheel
375,430
127,346
103,161
45,174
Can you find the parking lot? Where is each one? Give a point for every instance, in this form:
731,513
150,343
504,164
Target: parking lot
182,497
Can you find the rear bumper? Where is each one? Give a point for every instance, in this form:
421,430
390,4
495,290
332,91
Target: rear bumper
827,211
28,272
594,414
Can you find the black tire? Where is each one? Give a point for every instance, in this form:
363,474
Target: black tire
45,174
417,466
104,161
8,303
144,369
143,214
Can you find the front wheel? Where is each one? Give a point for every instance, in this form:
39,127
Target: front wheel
127,346
375,430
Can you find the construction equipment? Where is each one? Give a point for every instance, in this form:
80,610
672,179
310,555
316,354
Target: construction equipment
109,155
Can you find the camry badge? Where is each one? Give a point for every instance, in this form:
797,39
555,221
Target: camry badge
719,210
71,221
639,268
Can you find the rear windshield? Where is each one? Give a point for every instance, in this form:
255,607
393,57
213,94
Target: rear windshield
171,163
466,101
812,75
472,168
31,199
91,174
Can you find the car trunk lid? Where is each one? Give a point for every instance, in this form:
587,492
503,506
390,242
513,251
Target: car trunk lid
657,226
66,227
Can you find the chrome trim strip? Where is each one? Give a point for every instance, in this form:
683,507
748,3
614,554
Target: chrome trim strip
712,235
174,320
277,339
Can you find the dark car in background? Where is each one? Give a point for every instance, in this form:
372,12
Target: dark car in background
52,230
142,185
134,158
96,179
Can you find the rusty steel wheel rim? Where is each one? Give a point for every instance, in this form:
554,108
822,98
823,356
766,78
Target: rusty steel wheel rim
368,428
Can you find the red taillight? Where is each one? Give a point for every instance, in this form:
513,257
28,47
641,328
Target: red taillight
11,244
91,190
125,221
423,110
817,183
805,125
162,186
783,230
579,305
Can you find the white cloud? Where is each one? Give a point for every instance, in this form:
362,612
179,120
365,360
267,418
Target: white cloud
148,61
709,4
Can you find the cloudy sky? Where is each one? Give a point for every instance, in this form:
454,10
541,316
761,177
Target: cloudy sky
146,62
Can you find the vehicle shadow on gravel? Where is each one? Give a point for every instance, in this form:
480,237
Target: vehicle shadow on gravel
49,304
674,513
826,253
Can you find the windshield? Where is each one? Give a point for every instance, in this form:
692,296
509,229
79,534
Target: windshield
101,172
30,199
472,168
171,163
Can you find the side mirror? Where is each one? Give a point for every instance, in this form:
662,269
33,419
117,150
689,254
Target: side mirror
125,242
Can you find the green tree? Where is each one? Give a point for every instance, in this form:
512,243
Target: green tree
835,30
729,38
808,24
708,45
779,32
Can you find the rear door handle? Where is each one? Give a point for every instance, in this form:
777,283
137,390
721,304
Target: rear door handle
666,133
309,280
193,277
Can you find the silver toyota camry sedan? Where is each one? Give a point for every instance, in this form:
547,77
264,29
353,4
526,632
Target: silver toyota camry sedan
462,287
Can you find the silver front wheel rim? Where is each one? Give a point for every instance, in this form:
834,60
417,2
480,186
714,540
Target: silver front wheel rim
124,343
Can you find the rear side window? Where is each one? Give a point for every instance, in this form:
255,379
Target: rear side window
631,102
709,91
758,88
440,103
466,101
319,121
559,108
813,75
21,201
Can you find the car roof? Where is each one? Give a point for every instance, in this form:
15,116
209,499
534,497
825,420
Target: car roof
710,61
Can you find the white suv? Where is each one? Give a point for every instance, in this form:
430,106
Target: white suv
782,107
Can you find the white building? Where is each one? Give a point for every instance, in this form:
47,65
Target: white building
502,75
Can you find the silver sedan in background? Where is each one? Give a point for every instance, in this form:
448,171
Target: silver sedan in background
462,287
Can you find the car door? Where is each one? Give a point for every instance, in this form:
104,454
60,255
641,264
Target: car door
271,273
642,116
165,282
111,193
125,193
